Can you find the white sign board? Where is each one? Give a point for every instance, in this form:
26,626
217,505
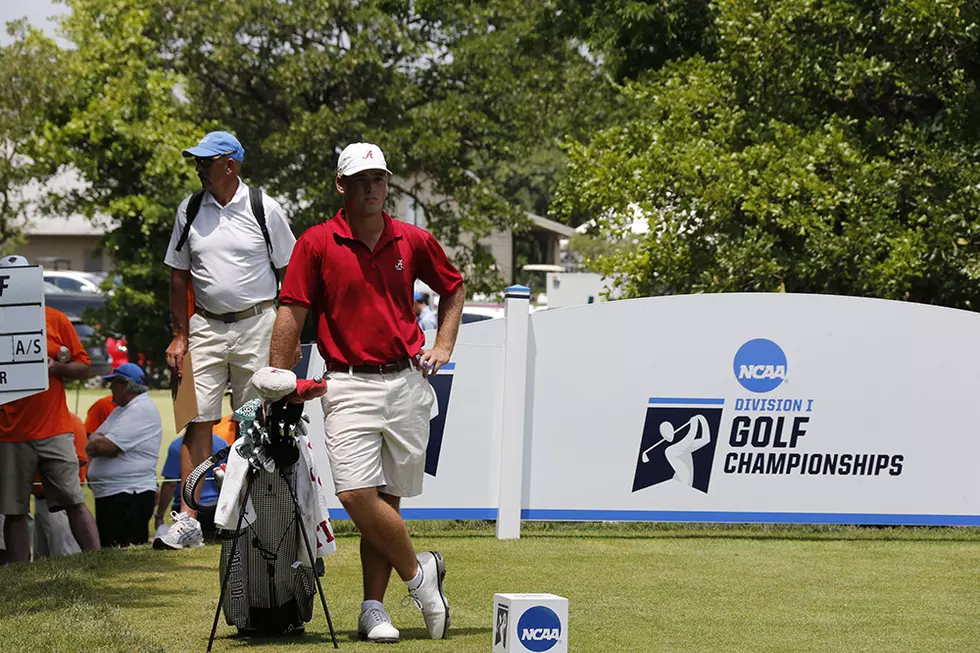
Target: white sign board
23,335
718,408
462,461
755,408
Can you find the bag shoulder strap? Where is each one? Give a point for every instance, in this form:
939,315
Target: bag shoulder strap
193,206
258,210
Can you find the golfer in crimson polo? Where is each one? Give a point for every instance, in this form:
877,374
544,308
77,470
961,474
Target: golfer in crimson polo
356,273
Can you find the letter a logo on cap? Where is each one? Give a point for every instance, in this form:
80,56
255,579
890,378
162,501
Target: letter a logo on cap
368,155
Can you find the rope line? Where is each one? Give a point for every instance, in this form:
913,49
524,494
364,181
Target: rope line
158,481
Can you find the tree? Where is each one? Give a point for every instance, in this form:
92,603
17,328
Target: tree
121,126
634,37
468,101
461,96
29,82
825,147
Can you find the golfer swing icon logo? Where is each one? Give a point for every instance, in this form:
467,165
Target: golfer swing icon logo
500,635
680,454
678,442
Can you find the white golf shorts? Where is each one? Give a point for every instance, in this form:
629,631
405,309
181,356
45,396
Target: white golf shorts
222,352
377,428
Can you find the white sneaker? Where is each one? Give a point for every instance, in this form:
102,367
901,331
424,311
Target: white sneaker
374,625
184,534
429,597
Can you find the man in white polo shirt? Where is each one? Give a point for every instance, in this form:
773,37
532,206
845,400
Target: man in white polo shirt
123,453
229,260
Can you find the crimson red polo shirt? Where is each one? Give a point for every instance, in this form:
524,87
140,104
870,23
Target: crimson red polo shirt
362,300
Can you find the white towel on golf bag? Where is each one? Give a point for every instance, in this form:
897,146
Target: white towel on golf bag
232,489
310,495
312,499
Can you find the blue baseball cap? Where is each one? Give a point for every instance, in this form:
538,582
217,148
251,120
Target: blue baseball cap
129,371
216,143
418,296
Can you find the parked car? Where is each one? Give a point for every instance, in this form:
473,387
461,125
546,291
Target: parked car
479,311
74,303
474,317
94,345
73,281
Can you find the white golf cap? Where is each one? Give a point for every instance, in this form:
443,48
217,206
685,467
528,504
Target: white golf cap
361,156
13,261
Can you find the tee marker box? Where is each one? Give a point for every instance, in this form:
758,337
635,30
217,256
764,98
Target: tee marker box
530,622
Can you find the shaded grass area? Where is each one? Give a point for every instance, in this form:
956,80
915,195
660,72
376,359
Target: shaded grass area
631,587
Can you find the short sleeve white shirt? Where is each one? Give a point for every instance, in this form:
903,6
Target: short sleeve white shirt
226,252
137,430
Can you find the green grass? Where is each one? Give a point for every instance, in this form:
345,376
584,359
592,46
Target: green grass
630,588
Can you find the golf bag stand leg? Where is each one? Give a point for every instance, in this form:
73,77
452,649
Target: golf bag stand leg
309,552
234,545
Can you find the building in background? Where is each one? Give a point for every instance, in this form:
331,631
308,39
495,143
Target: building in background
73,243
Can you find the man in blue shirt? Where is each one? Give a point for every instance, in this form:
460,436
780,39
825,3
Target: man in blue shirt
168,490
424,315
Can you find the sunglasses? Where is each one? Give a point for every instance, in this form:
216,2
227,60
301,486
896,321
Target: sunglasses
205,162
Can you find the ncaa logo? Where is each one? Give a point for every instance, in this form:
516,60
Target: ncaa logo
539,628
760,365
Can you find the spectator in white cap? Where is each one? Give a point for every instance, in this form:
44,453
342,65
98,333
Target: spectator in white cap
357,274
36,437
229,248
123,454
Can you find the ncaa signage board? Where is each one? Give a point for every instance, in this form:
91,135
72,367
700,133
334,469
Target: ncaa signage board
755,408
23,333
462,457
530,622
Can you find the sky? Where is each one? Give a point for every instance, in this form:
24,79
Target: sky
36,11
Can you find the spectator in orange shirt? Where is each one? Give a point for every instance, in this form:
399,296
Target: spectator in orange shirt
97,414
36,435
226,429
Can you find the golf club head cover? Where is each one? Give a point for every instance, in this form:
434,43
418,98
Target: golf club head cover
307,389
272,383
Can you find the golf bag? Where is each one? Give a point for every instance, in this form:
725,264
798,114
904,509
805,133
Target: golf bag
267,593
268,580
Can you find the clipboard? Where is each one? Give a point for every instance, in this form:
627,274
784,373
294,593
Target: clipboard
183,395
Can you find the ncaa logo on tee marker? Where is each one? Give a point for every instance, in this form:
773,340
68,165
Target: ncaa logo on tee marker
760,365
539,629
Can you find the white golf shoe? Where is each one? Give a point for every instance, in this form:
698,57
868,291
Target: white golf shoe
429,596
374,625
184,534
